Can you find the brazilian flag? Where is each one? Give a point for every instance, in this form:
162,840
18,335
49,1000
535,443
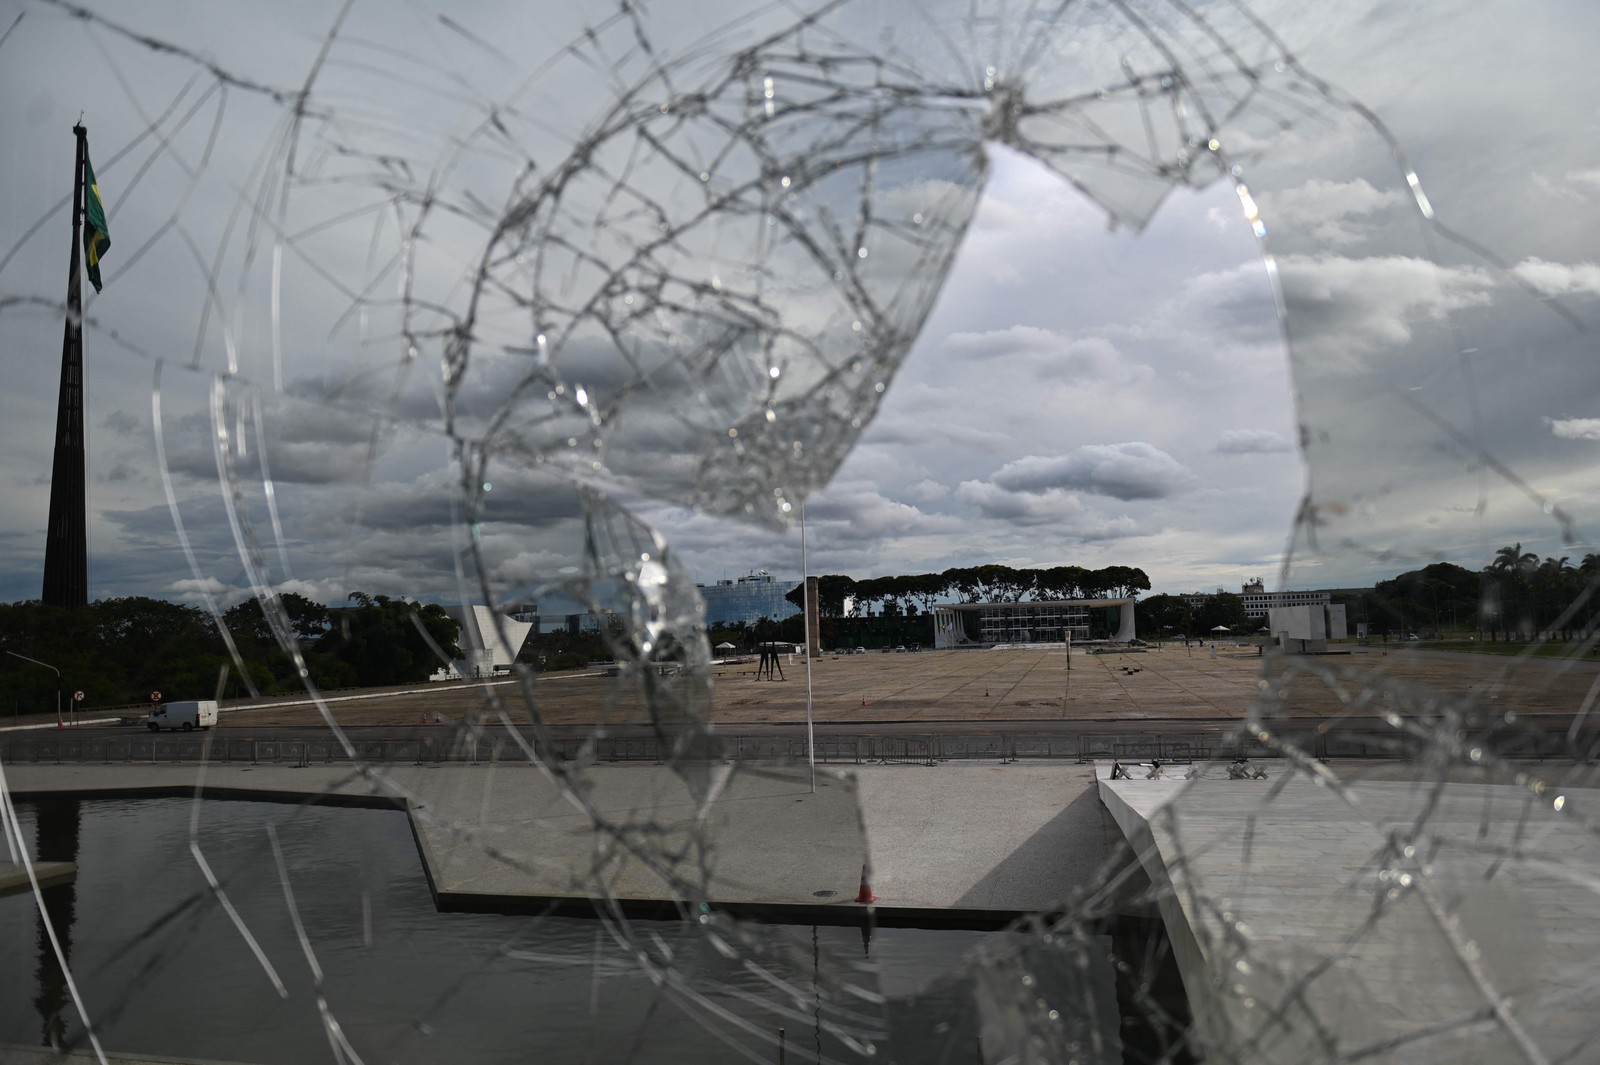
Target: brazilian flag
96,241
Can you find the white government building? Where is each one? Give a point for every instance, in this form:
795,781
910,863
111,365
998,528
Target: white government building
1050,621
1258,601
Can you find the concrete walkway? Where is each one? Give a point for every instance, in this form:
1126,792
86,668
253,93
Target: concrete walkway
1421,922
971,844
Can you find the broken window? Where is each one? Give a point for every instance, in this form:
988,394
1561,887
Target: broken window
414,291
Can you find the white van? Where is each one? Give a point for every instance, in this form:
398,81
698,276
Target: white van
192,714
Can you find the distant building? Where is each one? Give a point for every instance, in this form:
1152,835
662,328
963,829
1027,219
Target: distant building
1307,629
752,597
571,624
1052,621
1258,601
486,652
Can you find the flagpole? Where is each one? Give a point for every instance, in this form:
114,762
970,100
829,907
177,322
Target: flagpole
66,553
805,583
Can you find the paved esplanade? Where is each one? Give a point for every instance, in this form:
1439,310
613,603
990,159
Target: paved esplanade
1309,928
977,688
979,841
16,1055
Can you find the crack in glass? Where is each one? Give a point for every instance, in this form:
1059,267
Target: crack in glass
679,258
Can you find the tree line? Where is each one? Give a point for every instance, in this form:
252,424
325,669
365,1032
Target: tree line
120,651
993,583
1171,615
1516,596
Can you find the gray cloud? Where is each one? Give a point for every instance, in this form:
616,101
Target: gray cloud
1065,513
1050,333
1134,470
1252,442
120,421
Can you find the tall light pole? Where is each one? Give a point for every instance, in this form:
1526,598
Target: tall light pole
805,583
52,669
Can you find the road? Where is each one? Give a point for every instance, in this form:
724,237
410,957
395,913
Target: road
1552,723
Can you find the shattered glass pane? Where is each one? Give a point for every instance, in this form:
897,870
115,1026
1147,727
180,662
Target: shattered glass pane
499,292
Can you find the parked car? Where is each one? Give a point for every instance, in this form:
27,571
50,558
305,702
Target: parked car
860,650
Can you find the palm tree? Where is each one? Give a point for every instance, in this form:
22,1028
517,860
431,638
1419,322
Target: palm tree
1509,572
1549,587
1514,561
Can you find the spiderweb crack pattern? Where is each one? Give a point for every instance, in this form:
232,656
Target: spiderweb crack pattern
682,260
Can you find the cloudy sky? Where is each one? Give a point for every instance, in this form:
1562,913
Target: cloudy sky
1080,354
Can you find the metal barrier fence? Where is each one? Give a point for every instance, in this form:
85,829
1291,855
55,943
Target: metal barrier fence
831,747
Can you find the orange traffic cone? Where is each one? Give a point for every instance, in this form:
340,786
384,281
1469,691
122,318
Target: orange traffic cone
865,895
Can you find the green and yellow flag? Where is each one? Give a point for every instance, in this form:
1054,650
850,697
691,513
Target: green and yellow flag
96,241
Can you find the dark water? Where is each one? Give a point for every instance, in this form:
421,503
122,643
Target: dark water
164,970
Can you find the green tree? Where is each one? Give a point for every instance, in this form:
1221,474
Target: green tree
305,624
1224,609
382,640
1508,587
1124,582
832,590
928,589
1058,582
1162,614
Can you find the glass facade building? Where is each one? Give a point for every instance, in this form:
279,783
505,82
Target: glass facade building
748,599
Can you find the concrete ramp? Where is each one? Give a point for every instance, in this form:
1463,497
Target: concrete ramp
766,845
1401,922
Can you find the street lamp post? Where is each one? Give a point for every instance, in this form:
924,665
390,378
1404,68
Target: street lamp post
52,669
805,584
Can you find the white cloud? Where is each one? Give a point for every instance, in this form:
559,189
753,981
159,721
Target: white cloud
1133,470
194,591
327,590
1326,210
1575,428
1555,279
1585,177
1089,358
1252,442
1341,309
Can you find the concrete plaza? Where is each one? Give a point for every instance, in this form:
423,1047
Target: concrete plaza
1172,682
955,843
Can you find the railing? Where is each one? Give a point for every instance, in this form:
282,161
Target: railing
832,748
